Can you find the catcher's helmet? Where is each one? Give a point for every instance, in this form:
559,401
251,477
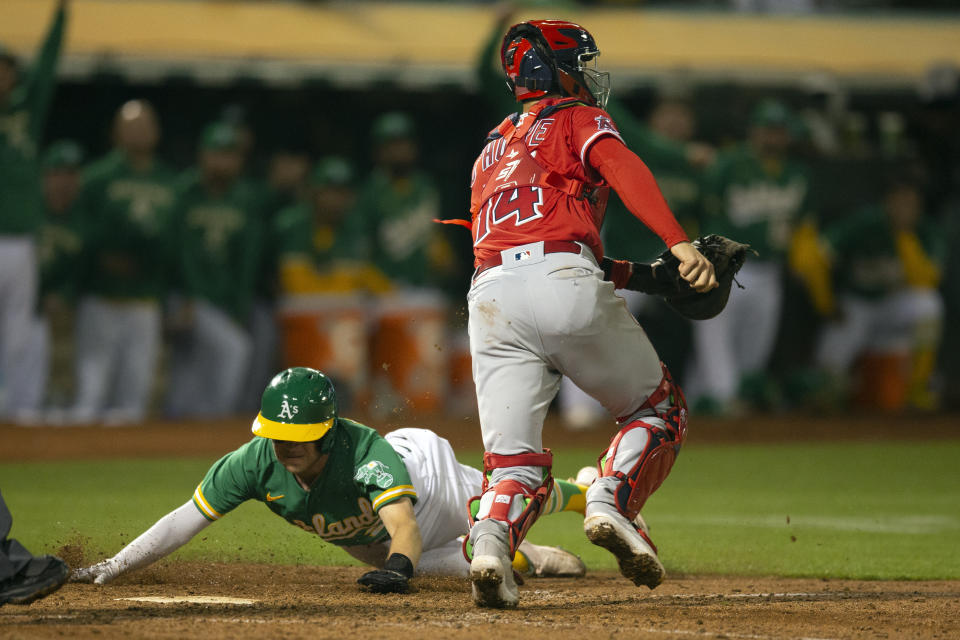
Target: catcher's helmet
553,56
298,405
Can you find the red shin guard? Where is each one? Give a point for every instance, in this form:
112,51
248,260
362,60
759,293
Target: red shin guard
652,464
648,472
499,501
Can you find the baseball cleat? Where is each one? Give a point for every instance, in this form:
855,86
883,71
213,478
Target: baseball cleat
635,553
587,475
551,562
492,582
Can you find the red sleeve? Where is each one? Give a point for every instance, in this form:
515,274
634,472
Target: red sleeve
631,179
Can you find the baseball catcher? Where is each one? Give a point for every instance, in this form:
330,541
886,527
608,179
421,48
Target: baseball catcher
394,501
540,310
662,277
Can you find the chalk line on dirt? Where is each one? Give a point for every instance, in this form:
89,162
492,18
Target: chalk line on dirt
191,600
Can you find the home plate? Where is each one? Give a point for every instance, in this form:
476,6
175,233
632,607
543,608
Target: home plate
191,599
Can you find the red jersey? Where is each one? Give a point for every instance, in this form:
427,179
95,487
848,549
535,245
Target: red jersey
532,181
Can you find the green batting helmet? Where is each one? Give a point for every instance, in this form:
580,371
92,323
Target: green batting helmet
298,405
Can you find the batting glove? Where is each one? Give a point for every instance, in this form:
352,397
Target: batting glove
100,573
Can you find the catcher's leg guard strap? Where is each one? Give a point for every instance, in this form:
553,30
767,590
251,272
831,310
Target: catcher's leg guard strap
512,502
640,457
667,402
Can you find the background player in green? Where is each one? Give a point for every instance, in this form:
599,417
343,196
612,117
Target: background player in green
758,193
216,256
394,501
25,98
128,197
59,247
887,259
320,241
397,206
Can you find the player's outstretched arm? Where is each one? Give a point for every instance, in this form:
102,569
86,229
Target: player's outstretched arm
405,549
631,179
170,532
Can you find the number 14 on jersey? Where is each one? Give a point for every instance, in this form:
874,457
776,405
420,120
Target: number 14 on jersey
521,204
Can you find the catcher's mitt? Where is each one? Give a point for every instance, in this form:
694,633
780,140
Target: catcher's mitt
662,277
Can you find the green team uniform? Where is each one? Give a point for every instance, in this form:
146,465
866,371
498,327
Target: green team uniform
298,235
363,474
130,219
218,244
745,202
397,218
868,263
59,247
22,120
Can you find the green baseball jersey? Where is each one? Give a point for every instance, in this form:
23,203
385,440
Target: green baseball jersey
59,246
362,474
298,235
397,217
128,228
22,121
865,250
218,243
749,203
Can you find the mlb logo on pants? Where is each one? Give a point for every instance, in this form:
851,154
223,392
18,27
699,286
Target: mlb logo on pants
522,255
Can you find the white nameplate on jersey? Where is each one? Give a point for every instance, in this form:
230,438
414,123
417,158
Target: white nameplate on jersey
523,255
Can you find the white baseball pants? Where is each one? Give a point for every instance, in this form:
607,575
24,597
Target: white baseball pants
895,323
118,343
208,370
740,340
18,298
539,317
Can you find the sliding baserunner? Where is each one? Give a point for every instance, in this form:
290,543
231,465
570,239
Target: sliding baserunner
395,502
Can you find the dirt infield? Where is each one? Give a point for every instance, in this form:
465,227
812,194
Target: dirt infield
177,439
324,602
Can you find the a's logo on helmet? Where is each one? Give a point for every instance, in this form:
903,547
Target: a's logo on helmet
286,411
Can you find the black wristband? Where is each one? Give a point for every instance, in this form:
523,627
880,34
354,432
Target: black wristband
399,563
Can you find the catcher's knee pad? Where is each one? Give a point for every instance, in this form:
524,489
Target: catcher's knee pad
510,501
642,453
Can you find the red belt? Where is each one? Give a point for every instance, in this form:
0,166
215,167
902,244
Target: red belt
549,246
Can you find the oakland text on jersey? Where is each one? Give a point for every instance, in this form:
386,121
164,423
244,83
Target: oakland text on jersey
366,523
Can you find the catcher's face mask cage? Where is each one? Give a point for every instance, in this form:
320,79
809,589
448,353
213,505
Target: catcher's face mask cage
543,56
596,81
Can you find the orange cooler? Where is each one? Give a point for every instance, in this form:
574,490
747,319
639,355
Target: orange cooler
409,349
329,333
